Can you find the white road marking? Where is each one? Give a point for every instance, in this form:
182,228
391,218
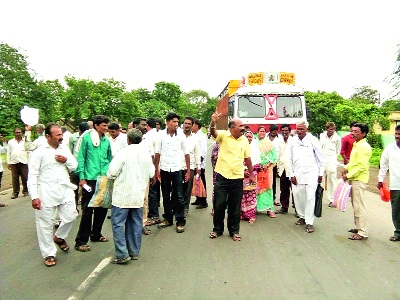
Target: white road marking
86,283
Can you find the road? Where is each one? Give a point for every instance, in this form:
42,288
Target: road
275,259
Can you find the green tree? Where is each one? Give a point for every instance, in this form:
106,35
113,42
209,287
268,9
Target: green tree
169,93
143,95
128,106
155,109
17,87
391,105
362,112
366,94
322,109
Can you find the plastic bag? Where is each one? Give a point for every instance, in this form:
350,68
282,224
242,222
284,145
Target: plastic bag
384,193
342,194
30,116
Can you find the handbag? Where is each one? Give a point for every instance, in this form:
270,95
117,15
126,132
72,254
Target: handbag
384,193
341,195
263,179
103,193
198,189
319,193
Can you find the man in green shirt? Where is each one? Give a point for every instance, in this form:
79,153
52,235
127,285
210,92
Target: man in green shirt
357,172
94,157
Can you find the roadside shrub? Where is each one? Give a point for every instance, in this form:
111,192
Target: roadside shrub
375,140
375,157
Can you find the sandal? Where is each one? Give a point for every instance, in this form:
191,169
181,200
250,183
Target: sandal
155,221
120,261
61,243
145,230
357,237
236,237
271,214
394,238
102,239
50,261
309,229
82,248
214,235
277,204
301,221
353,230
252,221
148,223
2,205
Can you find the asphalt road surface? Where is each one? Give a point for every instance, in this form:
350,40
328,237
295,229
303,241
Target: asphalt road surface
275,260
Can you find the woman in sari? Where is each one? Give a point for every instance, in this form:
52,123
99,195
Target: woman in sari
265,199
249,198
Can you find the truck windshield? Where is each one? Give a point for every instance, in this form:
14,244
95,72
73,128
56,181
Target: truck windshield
251,107
289,107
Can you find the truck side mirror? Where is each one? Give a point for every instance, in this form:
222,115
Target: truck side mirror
307,112
230,109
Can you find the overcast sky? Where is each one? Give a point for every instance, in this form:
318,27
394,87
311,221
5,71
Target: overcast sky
329,45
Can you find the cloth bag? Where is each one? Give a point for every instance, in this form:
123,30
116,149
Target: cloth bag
319,193
384,193
103,193
342,194
198,189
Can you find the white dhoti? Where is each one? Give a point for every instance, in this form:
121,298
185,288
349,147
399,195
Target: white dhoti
304,199
330,179
45,223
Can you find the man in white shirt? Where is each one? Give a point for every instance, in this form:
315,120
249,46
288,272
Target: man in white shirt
192,146
284,182
154,190
131,170
201,201
331,144
17,160
146,148
168,167
51,189
305,168
66,135
276,139
41,139
390,160
117,139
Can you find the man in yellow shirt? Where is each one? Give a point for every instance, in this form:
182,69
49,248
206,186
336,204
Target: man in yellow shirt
228,189
357,172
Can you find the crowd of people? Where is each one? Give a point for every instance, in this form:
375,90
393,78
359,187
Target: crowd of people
147,162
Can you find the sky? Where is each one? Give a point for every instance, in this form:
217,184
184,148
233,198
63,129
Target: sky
330,45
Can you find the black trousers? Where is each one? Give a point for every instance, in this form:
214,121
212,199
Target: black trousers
86,228
395,201
275,172
154,199
285,185
227,192
171,183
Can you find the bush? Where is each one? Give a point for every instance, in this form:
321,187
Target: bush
375,157
375,140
